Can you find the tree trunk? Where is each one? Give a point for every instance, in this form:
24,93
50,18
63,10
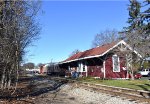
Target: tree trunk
129,65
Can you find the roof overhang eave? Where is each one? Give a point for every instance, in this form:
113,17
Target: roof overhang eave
121,42
93,56
83,58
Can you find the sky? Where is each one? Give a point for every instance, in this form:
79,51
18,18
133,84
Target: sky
70,25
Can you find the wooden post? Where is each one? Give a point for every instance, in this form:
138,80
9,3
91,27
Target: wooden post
104,69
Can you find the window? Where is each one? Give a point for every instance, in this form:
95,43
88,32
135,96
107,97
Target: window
116,63
69,68
83,67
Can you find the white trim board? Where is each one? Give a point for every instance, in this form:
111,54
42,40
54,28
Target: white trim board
118,60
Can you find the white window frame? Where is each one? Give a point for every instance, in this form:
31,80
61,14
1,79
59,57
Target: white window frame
114,64
69,68
81,67
85,66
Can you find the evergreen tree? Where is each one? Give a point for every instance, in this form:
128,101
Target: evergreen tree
145,17
137,34
134,15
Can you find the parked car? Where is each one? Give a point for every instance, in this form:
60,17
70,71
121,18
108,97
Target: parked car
138,76
144,72
149,74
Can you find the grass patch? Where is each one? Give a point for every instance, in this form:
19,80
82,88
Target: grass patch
132,84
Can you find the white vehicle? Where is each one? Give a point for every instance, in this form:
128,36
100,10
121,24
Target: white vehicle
144,72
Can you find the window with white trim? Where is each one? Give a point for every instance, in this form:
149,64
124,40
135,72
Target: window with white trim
116,63
69,68
83,68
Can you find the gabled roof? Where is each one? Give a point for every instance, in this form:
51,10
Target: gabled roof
95,52
75,56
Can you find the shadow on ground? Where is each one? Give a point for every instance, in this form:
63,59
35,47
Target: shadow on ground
34,86
144,87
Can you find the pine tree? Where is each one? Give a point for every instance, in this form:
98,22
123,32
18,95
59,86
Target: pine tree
134,13
145,17
137,34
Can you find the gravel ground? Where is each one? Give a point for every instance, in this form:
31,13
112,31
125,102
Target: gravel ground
67,94
44,92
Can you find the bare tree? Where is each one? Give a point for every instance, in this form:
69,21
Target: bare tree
104,37
74,52
40,64
18,29
137,33
138,42
29,65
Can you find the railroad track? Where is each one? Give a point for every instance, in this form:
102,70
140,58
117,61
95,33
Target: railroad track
134,95
122,93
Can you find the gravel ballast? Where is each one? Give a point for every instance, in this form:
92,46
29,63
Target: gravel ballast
69,94
58,92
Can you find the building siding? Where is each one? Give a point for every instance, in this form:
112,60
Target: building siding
98,71
109,69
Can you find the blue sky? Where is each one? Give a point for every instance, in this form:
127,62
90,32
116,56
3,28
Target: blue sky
70,25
